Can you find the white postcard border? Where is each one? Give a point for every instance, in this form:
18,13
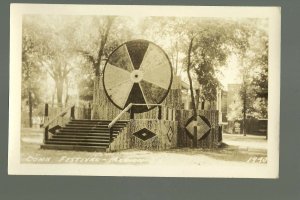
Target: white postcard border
271,170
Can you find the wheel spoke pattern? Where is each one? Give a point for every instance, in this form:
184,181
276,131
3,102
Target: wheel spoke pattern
137,51
118,84
136,96
152,93
121,59
154,69
114,76
137,72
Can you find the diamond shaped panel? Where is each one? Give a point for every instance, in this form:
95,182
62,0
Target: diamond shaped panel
170,134
203,126
144,134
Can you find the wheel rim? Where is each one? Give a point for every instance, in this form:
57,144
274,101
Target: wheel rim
138,72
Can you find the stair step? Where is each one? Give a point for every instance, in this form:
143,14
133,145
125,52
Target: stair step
93,125
82,137
93,122
87,134
104,144
96,120
74,148
104,132
87,129
104,141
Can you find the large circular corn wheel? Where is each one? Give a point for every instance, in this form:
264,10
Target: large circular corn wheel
137,72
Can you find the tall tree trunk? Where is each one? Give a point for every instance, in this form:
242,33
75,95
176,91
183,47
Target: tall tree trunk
244,96
28,74
52,99
190,79
59,92
197,98
103,42
30,108
192,91
176,59
97,69
203,105
67,90
244,109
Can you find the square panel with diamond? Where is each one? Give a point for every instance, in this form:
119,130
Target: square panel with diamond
203,126
144,134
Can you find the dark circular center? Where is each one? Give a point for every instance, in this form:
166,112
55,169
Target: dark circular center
136,76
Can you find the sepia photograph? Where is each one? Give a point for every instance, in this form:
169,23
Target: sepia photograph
168,91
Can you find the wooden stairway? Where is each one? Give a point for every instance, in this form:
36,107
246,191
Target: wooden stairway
84,135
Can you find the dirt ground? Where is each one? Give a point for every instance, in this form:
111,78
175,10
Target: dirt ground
247,150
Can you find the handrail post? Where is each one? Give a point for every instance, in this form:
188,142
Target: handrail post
73,112
89,111
110,134
46,113
131,114
46,110
159,113
61,114
46,134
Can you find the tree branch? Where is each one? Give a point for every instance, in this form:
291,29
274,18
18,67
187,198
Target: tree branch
67,72
87,55
104,37
52,75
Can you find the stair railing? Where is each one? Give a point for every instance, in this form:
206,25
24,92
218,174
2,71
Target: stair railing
127,108
60,119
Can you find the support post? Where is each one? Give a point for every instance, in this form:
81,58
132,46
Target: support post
131,114
46,110
89,111
159,113
46,114
195,137
110,134
46,134
72,112
220,133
